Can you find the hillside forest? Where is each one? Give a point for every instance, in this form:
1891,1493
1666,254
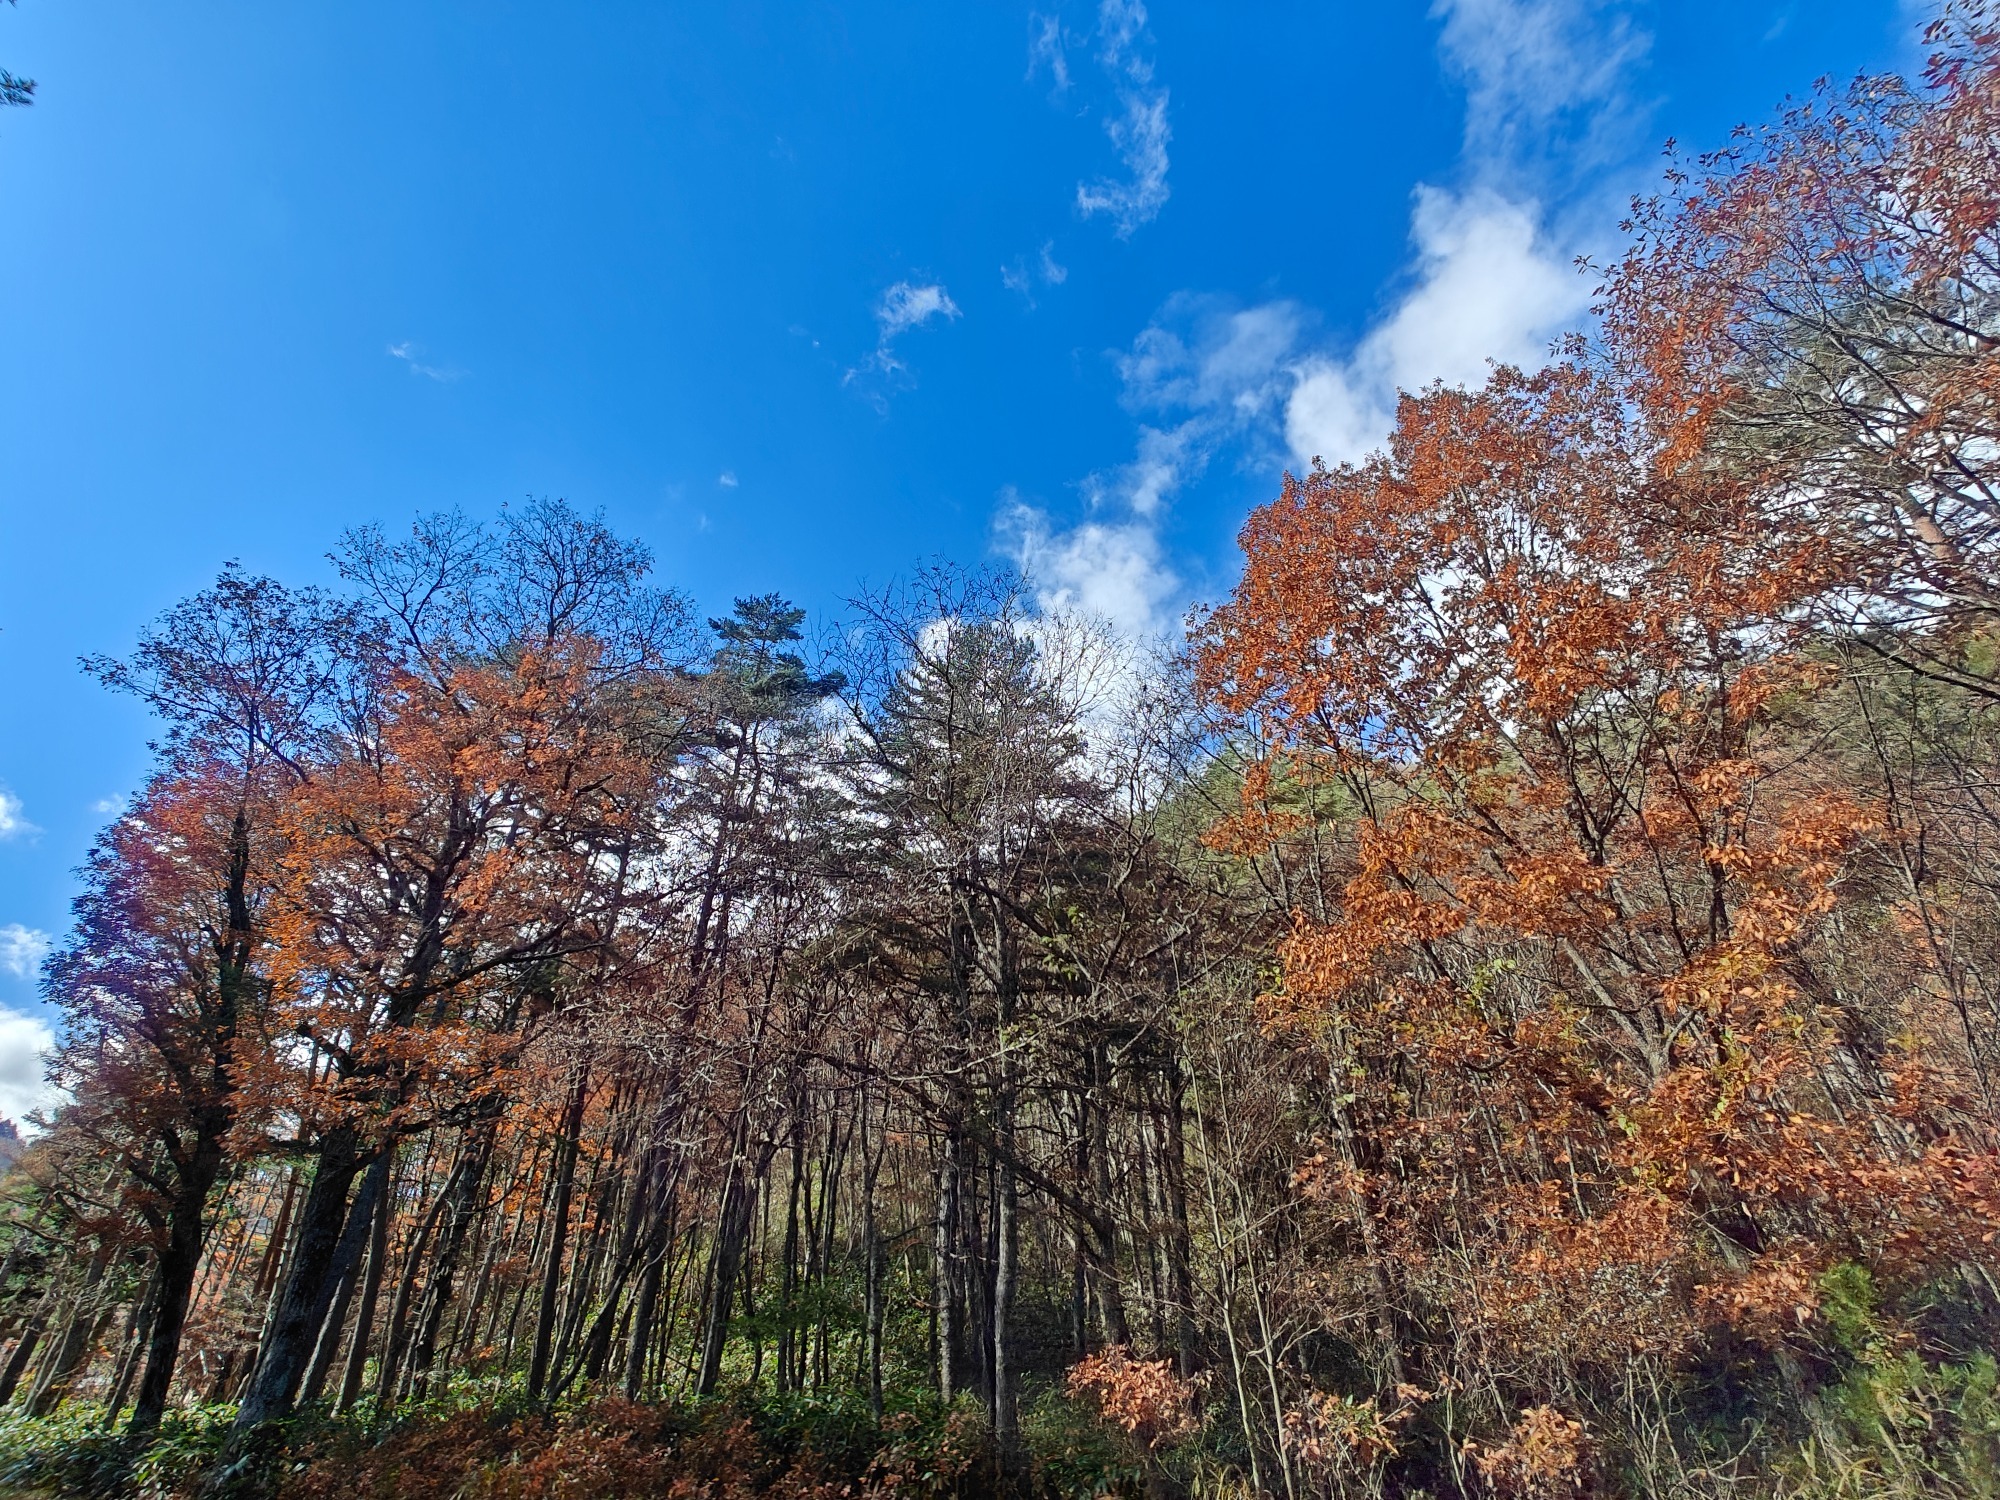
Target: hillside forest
1505,1006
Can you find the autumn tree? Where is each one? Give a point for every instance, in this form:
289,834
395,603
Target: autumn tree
163,983
482,833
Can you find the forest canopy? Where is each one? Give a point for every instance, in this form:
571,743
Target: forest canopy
1506,1006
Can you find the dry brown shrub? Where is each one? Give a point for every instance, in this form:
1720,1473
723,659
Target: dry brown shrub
1548,1456
1144,1397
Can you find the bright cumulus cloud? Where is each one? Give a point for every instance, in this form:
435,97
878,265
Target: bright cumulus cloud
1488,288
22,950
25,1044
25,1040
13,820
1108,570
1206,378
1490,280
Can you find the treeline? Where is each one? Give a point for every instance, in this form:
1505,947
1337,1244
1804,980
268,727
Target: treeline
1509,1008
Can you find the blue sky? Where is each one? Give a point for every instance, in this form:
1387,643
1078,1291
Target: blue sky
801,294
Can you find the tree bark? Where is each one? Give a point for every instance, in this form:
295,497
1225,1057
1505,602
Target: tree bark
944,1276
739,1201
52,1381
330,1236
178,1263
364,1317
545,1311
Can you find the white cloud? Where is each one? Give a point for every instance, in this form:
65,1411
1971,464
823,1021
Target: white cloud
1141,135
908,305
1045,50
1019,276
1138,126
13,818
727,479
408,352
1488,288
1206,375
25,1044
105,806
1491,280
1216,374
904,306
1121,24
1112,571
22,950
1544,79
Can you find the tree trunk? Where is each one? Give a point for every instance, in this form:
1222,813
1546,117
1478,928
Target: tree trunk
135,1338
328,1343
1110,1290
739,1201
871,1241
1180,1244
944,1274
364,1317
178,1263
24,1347
465,1209
545,1312
646,1301
52,1382
397,1341
329,1239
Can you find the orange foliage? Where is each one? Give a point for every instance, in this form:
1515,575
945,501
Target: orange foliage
1592,1081
1143,1397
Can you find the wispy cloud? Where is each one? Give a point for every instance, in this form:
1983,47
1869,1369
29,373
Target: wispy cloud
408,353
903,307
1545,80
727,479
1021,275
1135,117
1204,376
908,305
13,819
1139,131
1046,49
22,950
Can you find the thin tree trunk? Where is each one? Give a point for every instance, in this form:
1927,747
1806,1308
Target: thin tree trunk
945,1256
396,1342
545,1312
364,1317
52,1380
738,1204
465,1209
136,1338
24,1347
